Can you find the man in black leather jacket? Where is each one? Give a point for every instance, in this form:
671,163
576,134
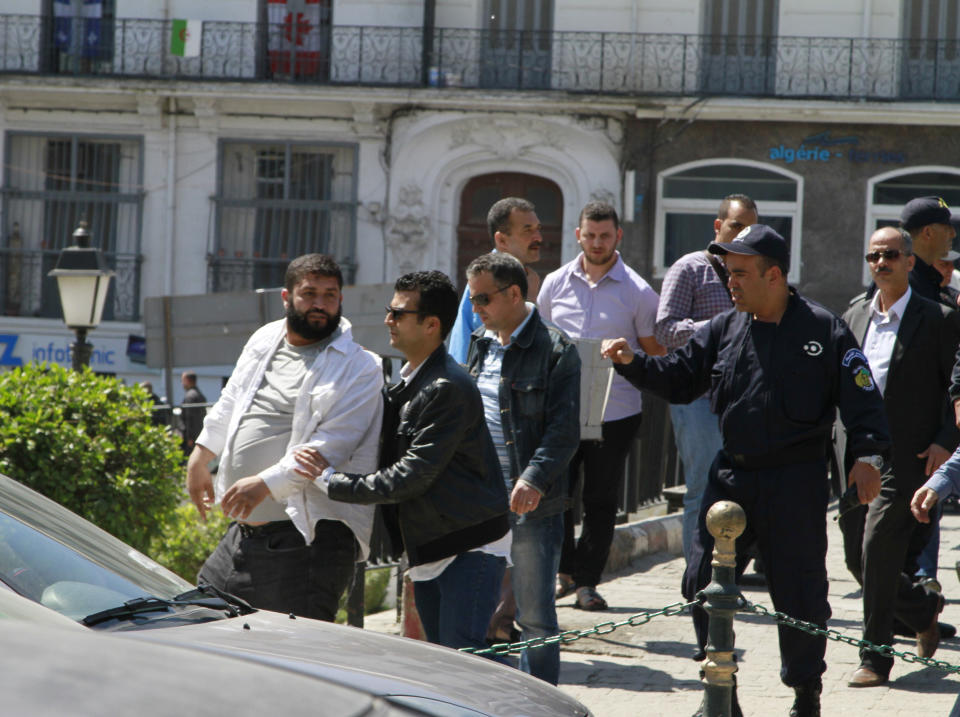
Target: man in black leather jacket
440,482
528,373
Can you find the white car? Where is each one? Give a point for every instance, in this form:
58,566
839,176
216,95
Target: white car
68,565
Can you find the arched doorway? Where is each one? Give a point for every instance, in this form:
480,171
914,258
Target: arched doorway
478,196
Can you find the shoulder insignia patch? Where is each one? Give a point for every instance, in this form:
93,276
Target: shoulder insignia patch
863,378
853,355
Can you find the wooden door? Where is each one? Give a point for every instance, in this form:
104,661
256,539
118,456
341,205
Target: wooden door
480,193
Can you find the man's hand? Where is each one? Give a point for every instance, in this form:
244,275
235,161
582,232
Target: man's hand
956,412
921,503
867,479
243,496
617,350
312,463
199,480
935,455
524,498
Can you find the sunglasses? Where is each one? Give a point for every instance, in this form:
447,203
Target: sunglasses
888,254
484,299
396,314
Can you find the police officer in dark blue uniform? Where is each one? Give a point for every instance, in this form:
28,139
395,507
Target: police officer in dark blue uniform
776,368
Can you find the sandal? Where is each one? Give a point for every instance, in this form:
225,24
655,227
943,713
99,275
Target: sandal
566,586
589,599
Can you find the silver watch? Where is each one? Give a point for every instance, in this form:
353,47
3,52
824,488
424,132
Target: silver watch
875,461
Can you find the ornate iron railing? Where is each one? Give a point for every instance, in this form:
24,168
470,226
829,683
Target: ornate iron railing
598,62
28,291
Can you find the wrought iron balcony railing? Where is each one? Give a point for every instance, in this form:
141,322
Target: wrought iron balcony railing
596,62
28,291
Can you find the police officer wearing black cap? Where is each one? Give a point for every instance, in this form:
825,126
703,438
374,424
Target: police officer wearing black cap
776,368
927,220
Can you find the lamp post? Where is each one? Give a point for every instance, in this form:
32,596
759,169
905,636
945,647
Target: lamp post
83,279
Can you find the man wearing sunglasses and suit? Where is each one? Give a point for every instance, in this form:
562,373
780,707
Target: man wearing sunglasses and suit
909,342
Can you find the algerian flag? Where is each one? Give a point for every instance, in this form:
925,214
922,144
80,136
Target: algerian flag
185,37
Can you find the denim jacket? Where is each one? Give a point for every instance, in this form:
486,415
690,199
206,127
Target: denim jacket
540,406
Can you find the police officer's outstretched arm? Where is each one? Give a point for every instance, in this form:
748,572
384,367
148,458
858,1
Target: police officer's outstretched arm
862,413
679,377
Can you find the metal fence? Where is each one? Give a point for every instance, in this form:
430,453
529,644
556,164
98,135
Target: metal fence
605,62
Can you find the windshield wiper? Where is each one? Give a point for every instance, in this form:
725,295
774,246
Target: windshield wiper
245,608
141,605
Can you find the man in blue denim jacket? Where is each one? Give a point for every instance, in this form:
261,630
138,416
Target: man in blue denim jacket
528,373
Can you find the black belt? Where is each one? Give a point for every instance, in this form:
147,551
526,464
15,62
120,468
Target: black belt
799,453
256,531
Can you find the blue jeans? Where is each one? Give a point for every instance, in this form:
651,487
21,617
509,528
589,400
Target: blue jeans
697,433
536,556
455,607
929,558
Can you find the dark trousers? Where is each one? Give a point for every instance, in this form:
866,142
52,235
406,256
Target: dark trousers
876,541
272,568
603,464
786,509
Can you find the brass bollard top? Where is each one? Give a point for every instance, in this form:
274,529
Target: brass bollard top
725,521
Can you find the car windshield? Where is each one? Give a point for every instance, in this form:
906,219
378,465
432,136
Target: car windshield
62,561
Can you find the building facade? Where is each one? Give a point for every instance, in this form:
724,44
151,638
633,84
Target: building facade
207,144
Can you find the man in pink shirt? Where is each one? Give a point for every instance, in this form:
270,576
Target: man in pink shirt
596,296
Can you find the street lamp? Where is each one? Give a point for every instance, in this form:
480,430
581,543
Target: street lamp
83,279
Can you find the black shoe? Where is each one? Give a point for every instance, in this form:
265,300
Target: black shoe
807,701
946,630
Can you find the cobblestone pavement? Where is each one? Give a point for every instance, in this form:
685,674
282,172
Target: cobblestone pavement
647,670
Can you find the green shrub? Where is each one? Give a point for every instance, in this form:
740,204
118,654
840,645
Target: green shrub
87,442
186,541
375,585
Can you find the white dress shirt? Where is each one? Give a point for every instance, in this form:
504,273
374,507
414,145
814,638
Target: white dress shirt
882,335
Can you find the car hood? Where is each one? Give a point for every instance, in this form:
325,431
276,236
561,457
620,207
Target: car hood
381,664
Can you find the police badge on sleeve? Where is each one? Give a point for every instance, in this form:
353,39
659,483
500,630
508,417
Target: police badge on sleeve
857,362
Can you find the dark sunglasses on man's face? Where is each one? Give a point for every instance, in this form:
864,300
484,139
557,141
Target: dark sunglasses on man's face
888,254
484,299
396,314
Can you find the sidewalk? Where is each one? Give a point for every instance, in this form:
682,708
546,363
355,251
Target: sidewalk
647,669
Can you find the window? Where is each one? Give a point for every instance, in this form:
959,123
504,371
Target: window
278,201
518,42
298,38
51,183
739,54
688,197
82,36
887,193
931,59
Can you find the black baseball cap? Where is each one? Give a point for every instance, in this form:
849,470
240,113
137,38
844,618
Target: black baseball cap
755,240
922,211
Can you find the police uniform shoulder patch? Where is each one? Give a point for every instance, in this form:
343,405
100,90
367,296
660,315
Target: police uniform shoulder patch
851,356
863,378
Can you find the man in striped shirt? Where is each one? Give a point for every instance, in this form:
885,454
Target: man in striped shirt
528,374
693,292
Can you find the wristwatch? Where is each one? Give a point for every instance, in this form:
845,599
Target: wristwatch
875,461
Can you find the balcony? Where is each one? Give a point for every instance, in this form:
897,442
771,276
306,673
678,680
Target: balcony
594,62
30,292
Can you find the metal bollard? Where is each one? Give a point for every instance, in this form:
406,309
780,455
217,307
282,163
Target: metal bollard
725,521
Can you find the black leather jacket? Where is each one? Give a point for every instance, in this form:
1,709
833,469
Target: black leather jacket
440,479
540,406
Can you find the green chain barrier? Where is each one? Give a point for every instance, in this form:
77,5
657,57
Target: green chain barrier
838,636
568,636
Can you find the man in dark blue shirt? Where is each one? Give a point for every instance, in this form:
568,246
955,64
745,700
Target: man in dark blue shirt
777,367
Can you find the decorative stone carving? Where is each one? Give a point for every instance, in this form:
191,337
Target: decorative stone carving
506,137
408,230
603,195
